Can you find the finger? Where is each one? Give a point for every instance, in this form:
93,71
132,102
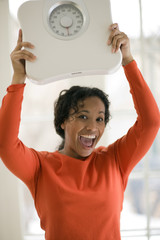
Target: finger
115,39
112,35
19,36
114,26
117,42
23,54
29,54
18,57
20,45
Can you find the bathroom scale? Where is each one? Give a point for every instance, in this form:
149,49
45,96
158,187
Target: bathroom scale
70,39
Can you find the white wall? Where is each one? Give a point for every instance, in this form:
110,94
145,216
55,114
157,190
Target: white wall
10,224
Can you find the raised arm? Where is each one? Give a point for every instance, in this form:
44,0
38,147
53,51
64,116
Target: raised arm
134,145
20,160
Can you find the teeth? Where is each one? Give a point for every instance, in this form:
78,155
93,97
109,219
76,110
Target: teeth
89,136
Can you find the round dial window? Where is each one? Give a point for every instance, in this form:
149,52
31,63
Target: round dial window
66,19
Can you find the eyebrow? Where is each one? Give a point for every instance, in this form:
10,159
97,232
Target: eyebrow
86,111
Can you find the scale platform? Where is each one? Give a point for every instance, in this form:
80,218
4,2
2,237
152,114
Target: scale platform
70,39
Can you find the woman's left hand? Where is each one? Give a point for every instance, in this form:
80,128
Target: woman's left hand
119,40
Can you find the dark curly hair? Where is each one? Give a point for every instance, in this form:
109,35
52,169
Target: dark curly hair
68,99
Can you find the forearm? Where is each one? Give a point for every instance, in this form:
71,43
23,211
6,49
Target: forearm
127,60
18,79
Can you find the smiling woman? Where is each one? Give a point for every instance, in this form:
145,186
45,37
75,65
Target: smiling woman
84,129
81,112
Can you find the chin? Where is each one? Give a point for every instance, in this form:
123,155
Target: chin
85,154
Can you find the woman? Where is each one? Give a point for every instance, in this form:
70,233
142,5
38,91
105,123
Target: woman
78,190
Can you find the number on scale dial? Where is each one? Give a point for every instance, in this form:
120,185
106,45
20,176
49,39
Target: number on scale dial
66,19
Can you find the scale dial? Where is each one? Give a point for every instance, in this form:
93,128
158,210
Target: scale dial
66,20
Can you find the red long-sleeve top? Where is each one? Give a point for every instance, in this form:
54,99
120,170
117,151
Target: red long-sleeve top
77,199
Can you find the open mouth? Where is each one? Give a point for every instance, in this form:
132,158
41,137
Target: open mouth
87,140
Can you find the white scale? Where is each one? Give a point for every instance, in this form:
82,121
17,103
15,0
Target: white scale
70,39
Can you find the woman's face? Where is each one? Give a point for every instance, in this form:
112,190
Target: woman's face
84,128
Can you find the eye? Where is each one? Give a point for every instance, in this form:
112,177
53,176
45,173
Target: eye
100,119
84,117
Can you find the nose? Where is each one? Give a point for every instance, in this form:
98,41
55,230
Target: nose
91,125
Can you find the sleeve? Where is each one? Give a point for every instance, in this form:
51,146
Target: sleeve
131,148
19,159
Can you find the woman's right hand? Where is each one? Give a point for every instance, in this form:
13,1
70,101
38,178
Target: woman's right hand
18,58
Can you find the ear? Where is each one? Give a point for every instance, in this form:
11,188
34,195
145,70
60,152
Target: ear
62,126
